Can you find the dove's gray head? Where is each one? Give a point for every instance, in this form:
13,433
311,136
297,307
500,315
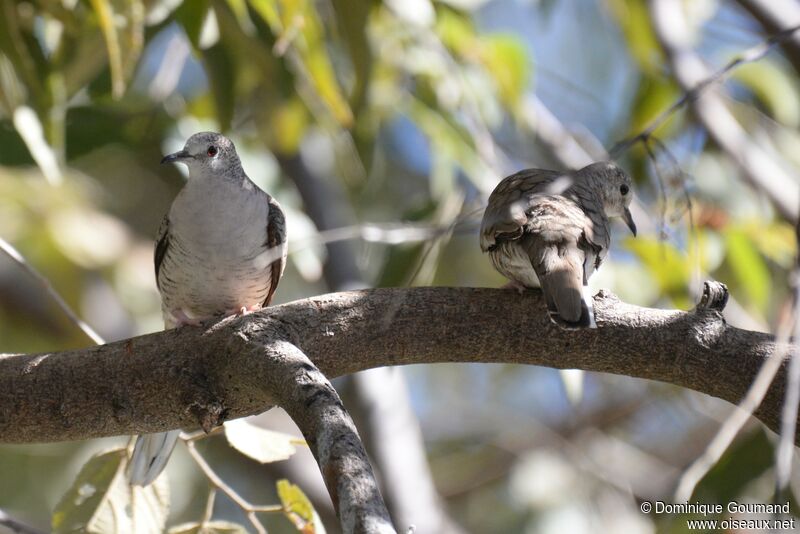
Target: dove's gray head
614,187
206,152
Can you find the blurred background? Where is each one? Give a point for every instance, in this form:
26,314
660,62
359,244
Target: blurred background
381,127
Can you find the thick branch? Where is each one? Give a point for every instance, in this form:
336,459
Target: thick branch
776,16
309,398
380,400
191,376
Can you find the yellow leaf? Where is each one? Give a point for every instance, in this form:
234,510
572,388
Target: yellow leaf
208,527
667,265
506,60
298,509
774,87
105,18
289,123
268,11
101,500
260,444
299,34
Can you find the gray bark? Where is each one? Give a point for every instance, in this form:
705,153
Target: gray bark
379,401
759,168
201,376
193,377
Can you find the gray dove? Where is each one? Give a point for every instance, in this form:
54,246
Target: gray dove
551,229
221,250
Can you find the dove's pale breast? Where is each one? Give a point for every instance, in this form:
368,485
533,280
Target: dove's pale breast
218,259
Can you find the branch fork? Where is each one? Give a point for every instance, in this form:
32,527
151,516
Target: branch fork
200,376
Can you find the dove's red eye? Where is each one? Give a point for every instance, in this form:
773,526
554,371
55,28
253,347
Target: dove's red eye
212,151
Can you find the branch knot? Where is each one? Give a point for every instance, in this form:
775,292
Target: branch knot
715,296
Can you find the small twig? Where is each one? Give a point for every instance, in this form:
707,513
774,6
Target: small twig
748,56
208,513
662,190
387,233
758,166
250,510
426,261
673,160
202,434
736,420
784,452
16,526
15,256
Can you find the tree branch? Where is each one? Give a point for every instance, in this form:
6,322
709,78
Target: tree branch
758,167
380,402
192,377
15,526
777,16
309,398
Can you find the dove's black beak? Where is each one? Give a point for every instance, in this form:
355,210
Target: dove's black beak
626,216
177,156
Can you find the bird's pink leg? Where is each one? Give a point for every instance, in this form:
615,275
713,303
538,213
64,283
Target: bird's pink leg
244,310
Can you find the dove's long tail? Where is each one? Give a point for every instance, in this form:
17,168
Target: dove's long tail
588,302
561,275
150,455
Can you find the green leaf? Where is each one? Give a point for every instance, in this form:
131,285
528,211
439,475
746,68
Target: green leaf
191,16
668,267
105,18
287,126
209,527
298,30
298,509
133,42
634,21
774,88
456,31
749,457
748,266
30,129
654,95
268,10
775,241
506,60
260,444
101,500
221,75
503,56
16,46
322,74
352,17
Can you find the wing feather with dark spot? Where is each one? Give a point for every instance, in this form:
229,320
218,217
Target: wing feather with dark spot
506,215
162,244
276,239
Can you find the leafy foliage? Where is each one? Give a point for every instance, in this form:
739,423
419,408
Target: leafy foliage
411,114
101,501
258,443
298,509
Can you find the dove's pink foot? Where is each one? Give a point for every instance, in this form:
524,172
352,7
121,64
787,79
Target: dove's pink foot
244,310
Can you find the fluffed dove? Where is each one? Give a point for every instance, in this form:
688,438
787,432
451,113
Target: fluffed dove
551,229
221,250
